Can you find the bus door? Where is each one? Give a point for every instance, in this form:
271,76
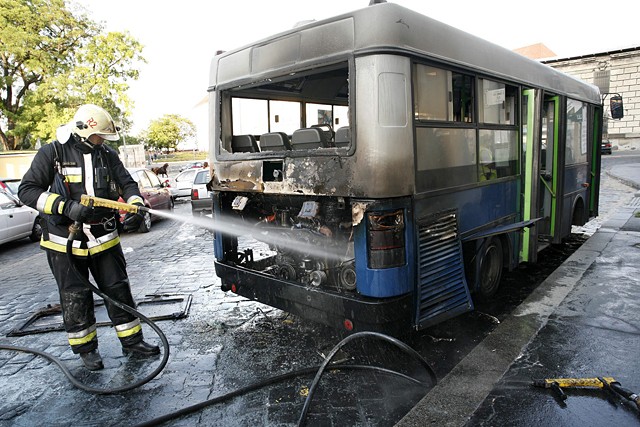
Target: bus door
596,158
548,199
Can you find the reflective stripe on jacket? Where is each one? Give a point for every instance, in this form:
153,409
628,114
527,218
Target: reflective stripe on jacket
78,164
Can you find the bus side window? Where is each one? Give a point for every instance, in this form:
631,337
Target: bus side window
244,144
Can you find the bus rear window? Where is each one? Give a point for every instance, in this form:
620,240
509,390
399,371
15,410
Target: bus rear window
299,112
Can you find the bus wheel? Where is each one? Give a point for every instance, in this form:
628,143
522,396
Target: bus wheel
490,268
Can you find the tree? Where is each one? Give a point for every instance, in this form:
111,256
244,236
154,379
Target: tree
54,61
168,131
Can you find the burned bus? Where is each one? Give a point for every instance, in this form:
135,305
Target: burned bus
379,170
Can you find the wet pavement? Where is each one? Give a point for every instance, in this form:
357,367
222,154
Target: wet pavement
583,321
227,342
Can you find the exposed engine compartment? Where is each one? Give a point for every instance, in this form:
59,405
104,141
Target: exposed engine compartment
308,240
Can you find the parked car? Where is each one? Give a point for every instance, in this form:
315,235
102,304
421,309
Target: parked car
181,185
191,165
155,193
17,220
605,148
200,195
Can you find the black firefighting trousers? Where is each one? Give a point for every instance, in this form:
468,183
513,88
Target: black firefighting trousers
109,272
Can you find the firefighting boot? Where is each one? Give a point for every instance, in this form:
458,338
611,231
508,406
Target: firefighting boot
141,348
92,360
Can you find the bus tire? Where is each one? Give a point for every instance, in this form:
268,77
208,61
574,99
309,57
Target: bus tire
491,264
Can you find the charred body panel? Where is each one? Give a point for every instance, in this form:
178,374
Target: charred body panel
318,176
337,310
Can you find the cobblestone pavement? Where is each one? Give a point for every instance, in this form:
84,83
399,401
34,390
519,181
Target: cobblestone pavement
225,343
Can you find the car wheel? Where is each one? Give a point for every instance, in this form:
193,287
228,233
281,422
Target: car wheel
36,231
145,225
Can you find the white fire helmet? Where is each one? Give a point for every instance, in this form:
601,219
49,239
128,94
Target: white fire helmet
91,119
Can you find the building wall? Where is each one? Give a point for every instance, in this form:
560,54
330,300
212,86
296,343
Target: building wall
133,156
613,72
15,164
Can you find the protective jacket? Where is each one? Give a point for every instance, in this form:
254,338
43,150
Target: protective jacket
65,171
83,169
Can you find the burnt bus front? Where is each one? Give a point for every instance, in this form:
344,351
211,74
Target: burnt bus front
312,222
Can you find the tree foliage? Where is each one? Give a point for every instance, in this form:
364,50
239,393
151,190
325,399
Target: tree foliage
168,131
54,60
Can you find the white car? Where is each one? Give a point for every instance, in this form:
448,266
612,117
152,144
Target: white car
17,220
201,201
181,185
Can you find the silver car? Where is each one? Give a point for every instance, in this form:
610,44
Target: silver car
17,220
181,185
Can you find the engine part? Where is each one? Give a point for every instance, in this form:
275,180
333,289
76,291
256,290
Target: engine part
317,278
348,276
287,272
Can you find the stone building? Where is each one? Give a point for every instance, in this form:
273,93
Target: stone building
614,72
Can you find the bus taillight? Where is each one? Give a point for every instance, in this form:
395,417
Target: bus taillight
386,239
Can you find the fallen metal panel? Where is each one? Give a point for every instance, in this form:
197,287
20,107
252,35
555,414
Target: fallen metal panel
155,307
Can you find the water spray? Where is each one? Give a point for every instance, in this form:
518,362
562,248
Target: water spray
223,225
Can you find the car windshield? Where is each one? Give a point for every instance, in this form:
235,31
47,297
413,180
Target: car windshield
202,178
13,185
6,201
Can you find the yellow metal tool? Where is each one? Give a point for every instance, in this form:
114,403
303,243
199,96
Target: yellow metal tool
98,202
609,383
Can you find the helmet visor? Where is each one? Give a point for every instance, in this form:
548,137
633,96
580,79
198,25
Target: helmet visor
109,136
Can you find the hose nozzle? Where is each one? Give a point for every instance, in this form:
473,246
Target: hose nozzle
94,201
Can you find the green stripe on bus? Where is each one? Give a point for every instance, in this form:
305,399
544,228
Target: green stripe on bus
528,174
554,181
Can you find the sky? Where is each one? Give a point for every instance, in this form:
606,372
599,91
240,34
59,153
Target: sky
181,37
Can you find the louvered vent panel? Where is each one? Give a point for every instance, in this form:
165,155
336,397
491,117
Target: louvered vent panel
442,289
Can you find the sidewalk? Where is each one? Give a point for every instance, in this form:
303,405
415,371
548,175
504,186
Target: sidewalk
582,321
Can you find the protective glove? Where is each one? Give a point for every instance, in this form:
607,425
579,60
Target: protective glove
76,211
132,221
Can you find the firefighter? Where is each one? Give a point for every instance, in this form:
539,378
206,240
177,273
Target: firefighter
79,163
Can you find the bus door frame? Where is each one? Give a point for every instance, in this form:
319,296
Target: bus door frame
549,197
596,160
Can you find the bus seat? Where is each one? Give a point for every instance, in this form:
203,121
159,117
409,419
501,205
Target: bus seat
244,144
274,141
343,136
327,133
308,139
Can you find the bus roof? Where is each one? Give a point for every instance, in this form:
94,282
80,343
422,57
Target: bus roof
390,28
